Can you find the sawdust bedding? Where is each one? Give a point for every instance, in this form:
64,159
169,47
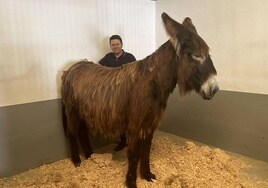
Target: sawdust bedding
175,166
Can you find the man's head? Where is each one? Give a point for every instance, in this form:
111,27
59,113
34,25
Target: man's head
116,44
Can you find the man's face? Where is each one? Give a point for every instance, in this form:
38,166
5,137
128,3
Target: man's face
116,46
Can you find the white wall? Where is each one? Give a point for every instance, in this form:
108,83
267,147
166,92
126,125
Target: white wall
39,38
235,30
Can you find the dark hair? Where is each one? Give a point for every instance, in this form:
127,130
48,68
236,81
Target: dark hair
116,37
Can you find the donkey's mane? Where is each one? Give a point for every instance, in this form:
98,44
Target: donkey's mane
100,90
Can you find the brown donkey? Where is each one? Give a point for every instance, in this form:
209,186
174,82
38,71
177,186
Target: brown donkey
132,99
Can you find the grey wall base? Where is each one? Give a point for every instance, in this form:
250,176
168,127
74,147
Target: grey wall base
233,121
32,134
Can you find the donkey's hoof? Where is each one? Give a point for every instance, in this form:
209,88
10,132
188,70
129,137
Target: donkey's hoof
131,180
88,155
148,176
76,162
131,184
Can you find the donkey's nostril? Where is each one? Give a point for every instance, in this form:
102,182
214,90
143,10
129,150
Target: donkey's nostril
215,90
210,94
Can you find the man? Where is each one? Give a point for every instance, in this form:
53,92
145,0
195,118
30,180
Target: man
117,58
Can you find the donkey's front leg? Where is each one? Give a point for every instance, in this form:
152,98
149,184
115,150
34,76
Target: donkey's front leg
133,155
145,158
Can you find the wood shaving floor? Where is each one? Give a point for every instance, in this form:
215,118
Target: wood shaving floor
176,162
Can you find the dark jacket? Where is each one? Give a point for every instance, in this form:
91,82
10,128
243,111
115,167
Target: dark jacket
110,60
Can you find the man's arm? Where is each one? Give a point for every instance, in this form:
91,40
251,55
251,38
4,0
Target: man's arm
104,60
130,58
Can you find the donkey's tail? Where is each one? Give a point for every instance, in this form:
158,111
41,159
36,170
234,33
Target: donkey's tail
64,119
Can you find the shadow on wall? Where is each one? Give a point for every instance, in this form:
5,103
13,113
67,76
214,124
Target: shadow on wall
60,72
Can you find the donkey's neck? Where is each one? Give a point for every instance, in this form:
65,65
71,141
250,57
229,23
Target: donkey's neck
163,58
166,65
163,66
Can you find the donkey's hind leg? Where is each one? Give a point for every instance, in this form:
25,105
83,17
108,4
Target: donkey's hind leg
84,140
145,158
72,132
74,150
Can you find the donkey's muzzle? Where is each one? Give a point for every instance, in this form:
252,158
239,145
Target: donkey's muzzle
209,95
209,88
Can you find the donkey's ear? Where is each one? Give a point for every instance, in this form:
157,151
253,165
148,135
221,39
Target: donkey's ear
187,23
171,25
175,31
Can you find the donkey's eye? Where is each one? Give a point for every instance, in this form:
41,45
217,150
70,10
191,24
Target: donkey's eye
200,58
197,55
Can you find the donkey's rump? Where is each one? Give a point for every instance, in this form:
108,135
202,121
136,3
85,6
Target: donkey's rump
100,95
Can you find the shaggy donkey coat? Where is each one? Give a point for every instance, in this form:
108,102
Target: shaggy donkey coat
132,99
